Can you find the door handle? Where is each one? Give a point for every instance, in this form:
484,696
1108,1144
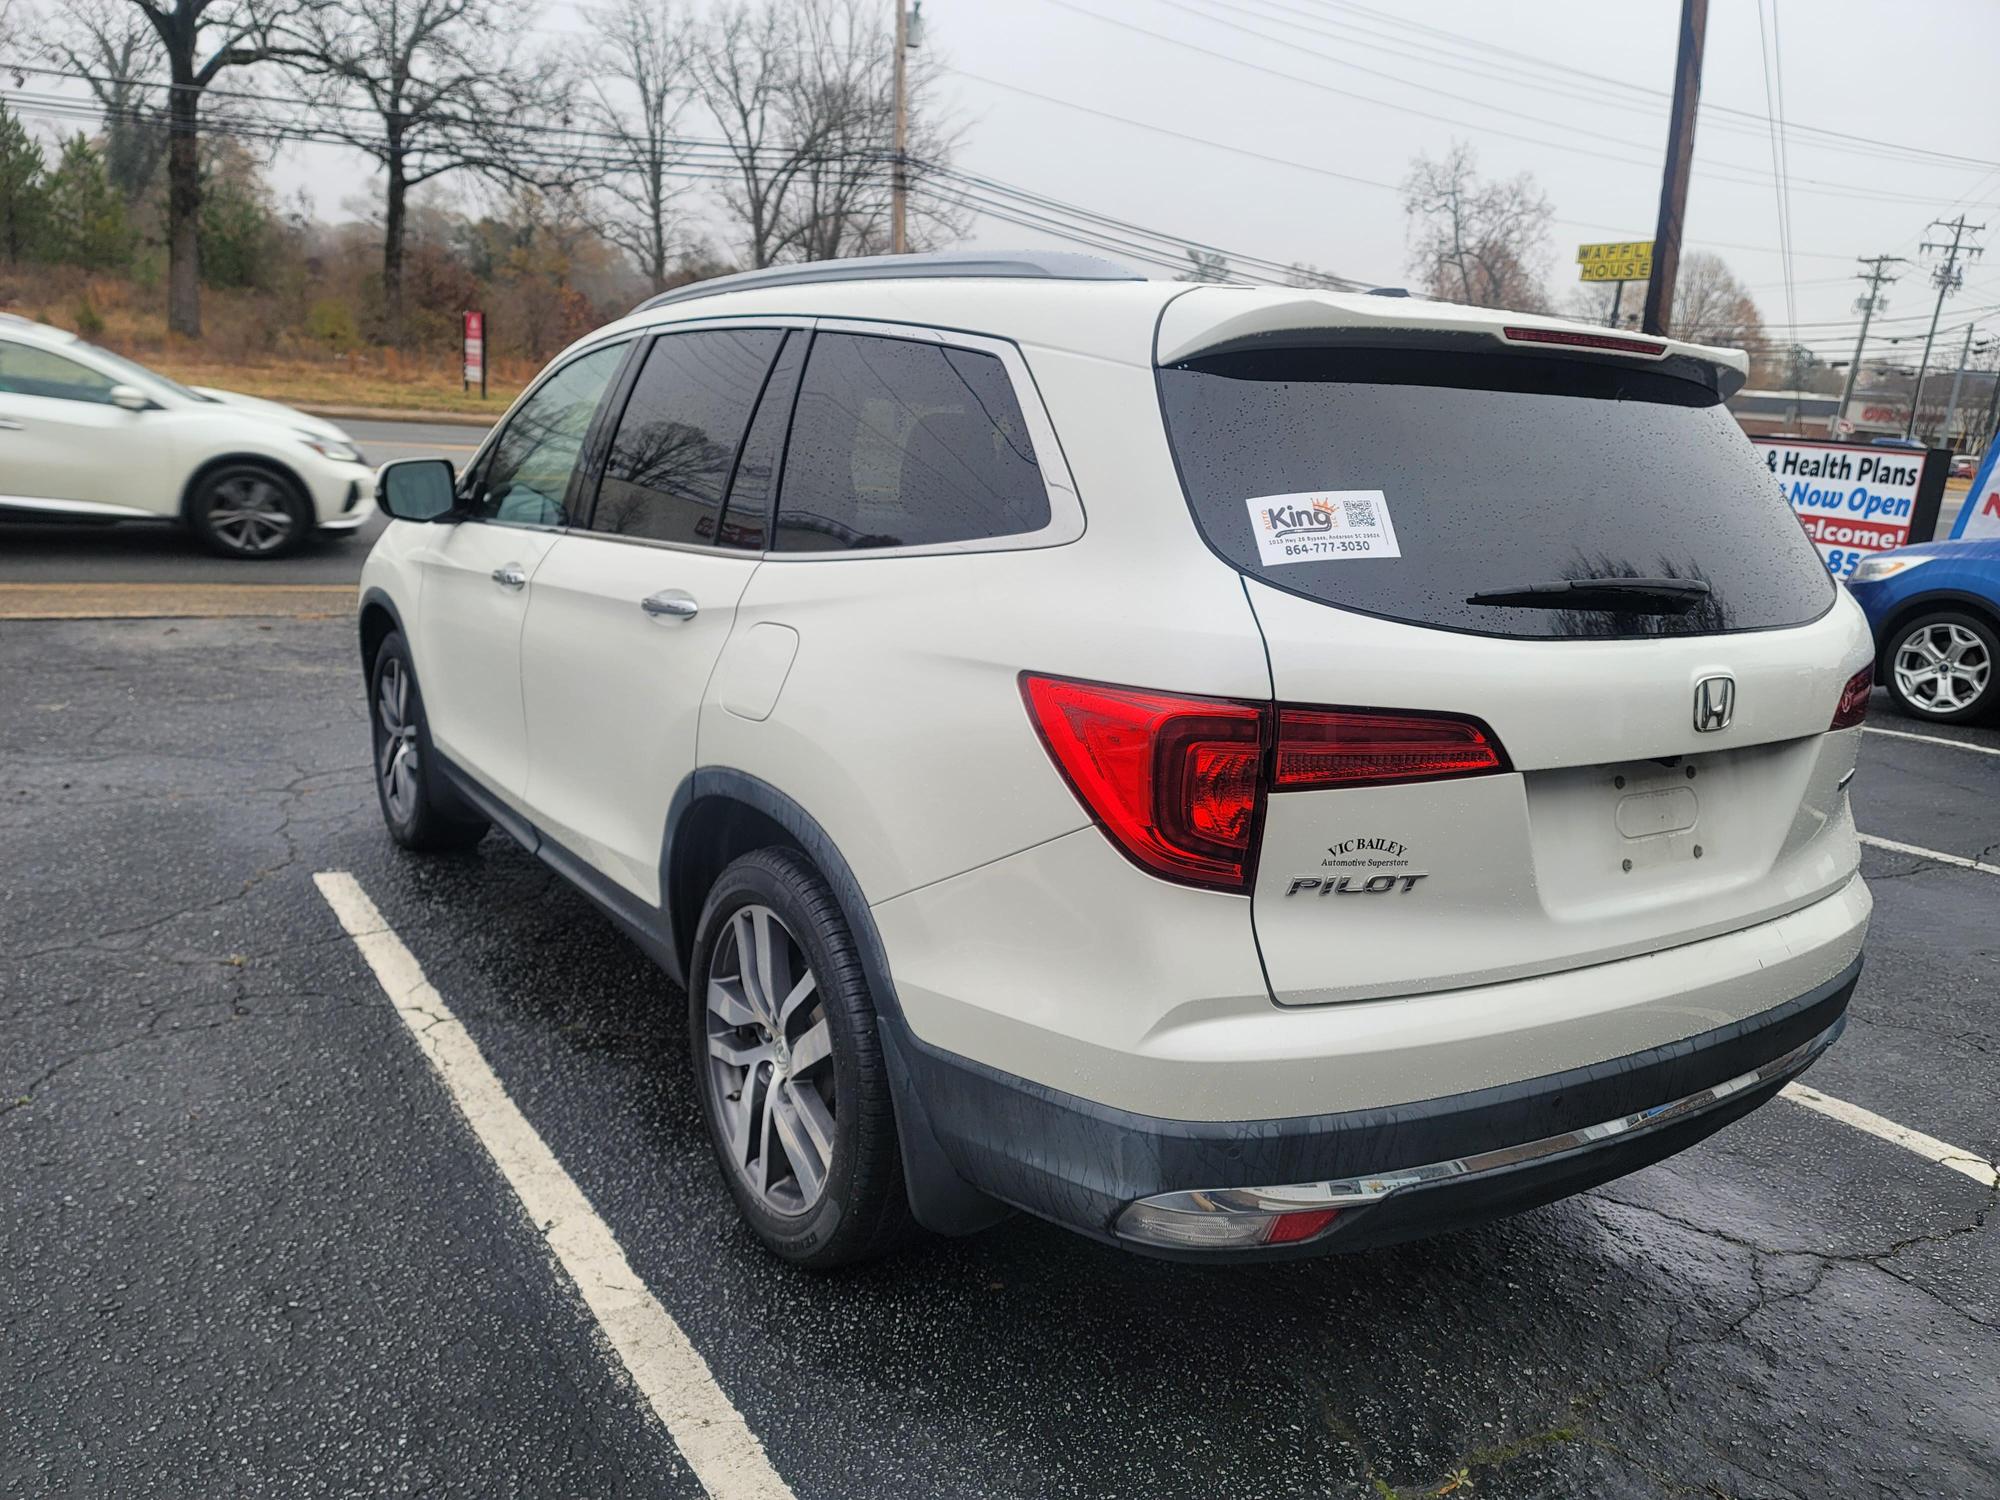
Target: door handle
512,576
670,604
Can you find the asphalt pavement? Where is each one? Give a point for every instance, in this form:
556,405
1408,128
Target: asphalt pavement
249,1245
132,552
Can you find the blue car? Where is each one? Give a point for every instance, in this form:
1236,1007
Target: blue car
1935,610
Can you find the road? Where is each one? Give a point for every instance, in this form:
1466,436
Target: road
146,553
252,1245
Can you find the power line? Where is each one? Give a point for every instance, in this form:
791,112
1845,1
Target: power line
1717,170
1751,121
1774,102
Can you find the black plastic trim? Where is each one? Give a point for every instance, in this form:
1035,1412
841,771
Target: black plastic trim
1079,1162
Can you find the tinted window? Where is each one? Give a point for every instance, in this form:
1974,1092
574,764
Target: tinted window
899,443
1496,473
668,467
748,519
28,371
527,475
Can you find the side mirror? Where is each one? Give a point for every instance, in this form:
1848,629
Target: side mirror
131,398
418,489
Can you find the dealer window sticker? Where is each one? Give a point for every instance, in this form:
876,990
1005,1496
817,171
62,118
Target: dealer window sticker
1322,526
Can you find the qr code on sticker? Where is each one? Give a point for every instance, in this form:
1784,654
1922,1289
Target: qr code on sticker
1360,514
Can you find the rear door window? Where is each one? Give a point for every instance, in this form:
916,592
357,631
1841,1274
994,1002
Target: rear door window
1494,475
668,468
899,443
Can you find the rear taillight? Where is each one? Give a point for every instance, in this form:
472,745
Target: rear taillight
1179,782
1342,747
1853,705
1173,780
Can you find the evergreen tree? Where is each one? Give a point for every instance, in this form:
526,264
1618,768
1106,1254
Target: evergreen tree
23,188
85,223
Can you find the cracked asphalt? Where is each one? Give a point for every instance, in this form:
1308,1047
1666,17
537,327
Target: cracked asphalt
247,1245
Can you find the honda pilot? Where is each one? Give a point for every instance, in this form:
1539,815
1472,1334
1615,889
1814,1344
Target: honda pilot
1238,772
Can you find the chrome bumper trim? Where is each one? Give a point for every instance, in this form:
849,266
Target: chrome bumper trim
1356,1192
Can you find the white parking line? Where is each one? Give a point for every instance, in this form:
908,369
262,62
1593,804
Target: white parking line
1929,1147
675,1380
1932,739
1920,852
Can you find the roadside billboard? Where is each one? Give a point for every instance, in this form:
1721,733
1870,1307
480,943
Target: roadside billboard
1852,499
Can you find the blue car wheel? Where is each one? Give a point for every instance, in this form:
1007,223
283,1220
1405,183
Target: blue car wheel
1941,666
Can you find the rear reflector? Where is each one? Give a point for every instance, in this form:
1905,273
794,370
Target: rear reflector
1151,1222
1178,782
1853,705
1563,336
1320,748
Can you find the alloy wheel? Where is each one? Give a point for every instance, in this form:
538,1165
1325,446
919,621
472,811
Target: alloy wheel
396,749
1942,667
770,1061
249,514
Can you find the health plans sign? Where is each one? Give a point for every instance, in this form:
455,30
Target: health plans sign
1852,499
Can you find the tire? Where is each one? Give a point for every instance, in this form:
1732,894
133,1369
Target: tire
401,739
1945,667
797,1106
248,511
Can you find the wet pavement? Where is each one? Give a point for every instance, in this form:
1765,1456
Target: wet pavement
251,1247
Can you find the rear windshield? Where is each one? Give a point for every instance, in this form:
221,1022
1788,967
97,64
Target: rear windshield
1406,482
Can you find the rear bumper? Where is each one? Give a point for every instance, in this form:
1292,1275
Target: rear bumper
1082,1164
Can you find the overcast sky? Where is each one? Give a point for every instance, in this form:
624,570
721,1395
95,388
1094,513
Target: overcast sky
1346,94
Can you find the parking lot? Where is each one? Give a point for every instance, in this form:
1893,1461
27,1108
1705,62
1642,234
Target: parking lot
260,1237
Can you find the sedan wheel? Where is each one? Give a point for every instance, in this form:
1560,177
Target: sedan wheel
770,1056
251,514
1942,668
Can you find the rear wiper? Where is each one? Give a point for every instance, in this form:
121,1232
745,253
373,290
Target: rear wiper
1635,596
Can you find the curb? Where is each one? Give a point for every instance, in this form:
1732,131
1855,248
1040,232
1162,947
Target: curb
396,414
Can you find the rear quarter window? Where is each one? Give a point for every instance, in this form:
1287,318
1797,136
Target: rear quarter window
1496,472
901,443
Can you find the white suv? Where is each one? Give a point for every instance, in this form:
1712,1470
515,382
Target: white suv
88,435
1233,771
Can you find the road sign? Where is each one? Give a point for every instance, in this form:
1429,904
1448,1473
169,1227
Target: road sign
1631,260
475,350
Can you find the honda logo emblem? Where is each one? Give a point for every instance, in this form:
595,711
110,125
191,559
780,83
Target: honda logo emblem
1714,703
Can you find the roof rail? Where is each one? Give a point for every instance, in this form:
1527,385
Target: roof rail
1029,265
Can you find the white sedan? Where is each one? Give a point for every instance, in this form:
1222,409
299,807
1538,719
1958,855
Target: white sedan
88,435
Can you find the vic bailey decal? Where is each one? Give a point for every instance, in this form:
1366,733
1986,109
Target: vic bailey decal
1361,854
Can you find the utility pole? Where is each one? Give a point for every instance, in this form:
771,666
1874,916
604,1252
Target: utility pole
1958,382
1949,278
1674,175
909,34
1869,303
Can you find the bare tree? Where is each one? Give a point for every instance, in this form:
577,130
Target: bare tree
200,40
803,95
1710,305
449,92
1205,265
743,70
1472,241
643,61
113,47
